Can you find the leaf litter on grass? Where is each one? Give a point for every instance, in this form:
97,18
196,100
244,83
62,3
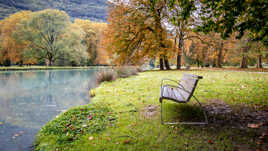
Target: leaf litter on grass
250,120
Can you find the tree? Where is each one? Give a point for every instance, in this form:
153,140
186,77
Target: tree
183,22
12,51
74,51
218,47
93,34
226,17
135,32
260,52
45,30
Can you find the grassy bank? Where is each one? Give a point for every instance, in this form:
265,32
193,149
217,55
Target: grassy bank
131,121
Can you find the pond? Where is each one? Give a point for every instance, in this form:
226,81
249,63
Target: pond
29,99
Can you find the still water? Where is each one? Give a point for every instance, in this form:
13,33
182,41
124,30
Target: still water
29,99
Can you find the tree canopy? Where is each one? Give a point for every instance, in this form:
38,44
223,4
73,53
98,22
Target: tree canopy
49,37
229,16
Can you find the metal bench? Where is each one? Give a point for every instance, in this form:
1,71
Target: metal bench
182,92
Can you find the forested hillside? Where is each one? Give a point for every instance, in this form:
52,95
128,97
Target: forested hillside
85,9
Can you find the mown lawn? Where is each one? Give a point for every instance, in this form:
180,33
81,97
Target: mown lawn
130,128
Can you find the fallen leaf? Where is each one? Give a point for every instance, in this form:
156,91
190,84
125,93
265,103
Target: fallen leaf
210,141
259,149
109,139
255,125
91,138
233,99
258,142
126,141
90,117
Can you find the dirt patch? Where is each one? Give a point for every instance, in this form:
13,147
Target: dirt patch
237,116
150,111
242,117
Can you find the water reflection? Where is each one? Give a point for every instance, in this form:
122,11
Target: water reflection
30,99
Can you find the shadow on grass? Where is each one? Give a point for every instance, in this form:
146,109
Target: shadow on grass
246,127
182,112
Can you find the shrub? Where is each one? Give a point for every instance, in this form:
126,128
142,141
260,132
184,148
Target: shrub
139,69
106,75
124,72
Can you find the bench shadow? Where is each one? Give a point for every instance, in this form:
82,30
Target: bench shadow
235,122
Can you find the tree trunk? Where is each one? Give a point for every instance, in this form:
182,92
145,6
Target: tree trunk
198,63
180,45
50,61
259,61
166,63
219,57
20,63
178,60
161,63
244,62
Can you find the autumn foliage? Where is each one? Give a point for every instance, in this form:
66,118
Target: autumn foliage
164,33
49,37
140,31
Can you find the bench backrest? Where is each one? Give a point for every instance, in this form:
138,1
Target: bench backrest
188,82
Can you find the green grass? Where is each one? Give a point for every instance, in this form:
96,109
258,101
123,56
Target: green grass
128,97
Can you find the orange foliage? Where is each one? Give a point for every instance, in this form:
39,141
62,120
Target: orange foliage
11,49
93,35
135,35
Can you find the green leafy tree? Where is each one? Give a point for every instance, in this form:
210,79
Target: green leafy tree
227,16
74,52
45,30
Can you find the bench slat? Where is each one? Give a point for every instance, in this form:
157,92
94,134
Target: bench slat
173,93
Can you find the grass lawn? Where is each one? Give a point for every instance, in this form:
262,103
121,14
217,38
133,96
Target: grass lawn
120,119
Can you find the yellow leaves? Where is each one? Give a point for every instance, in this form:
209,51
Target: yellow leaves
93,38
133,35
12,49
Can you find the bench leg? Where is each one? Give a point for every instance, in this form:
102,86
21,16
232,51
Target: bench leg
161,110
204,111
185,123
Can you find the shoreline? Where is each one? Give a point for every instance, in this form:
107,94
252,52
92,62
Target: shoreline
28,68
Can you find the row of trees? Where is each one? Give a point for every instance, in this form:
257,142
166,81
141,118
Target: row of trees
49,37
191,31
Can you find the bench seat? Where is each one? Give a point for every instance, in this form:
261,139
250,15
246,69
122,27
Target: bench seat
174,94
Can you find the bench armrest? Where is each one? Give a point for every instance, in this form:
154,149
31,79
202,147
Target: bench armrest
162,82
177,86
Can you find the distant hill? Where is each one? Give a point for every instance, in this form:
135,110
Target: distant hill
84,9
